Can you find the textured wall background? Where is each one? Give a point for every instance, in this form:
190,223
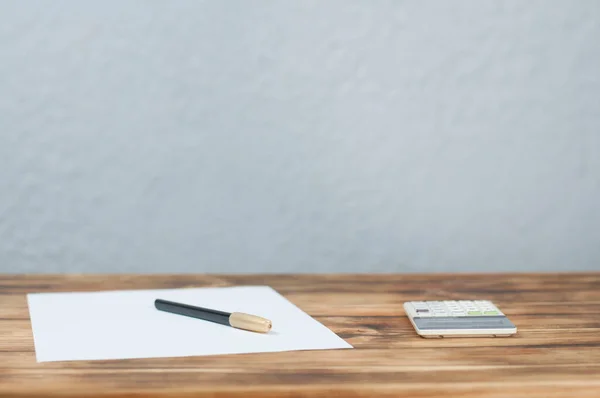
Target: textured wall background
276,136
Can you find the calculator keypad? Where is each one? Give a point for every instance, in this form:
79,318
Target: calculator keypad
458,308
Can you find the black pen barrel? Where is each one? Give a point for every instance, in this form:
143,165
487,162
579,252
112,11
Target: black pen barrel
192,311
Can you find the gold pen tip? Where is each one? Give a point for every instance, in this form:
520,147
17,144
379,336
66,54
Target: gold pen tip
249,322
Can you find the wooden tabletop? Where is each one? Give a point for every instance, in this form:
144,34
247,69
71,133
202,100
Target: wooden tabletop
556,352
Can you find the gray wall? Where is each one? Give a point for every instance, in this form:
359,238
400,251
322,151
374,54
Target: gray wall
280,136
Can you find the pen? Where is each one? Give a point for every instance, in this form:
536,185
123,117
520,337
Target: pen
237,320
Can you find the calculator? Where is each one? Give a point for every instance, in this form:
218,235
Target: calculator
460,318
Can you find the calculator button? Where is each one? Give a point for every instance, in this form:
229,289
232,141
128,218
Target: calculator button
491,313
473,313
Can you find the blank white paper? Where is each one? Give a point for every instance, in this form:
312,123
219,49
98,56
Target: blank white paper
125,324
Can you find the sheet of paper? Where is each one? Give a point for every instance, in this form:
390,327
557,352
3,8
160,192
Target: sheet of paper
125,324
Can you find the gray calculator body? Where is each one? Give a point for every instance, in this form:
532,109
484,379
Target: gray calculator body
458,318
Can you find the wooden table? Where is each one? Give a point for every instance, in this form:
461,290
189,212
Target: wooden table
555,354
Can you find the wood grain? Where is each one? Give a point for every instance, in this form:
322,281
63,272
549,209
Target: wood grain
555,354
